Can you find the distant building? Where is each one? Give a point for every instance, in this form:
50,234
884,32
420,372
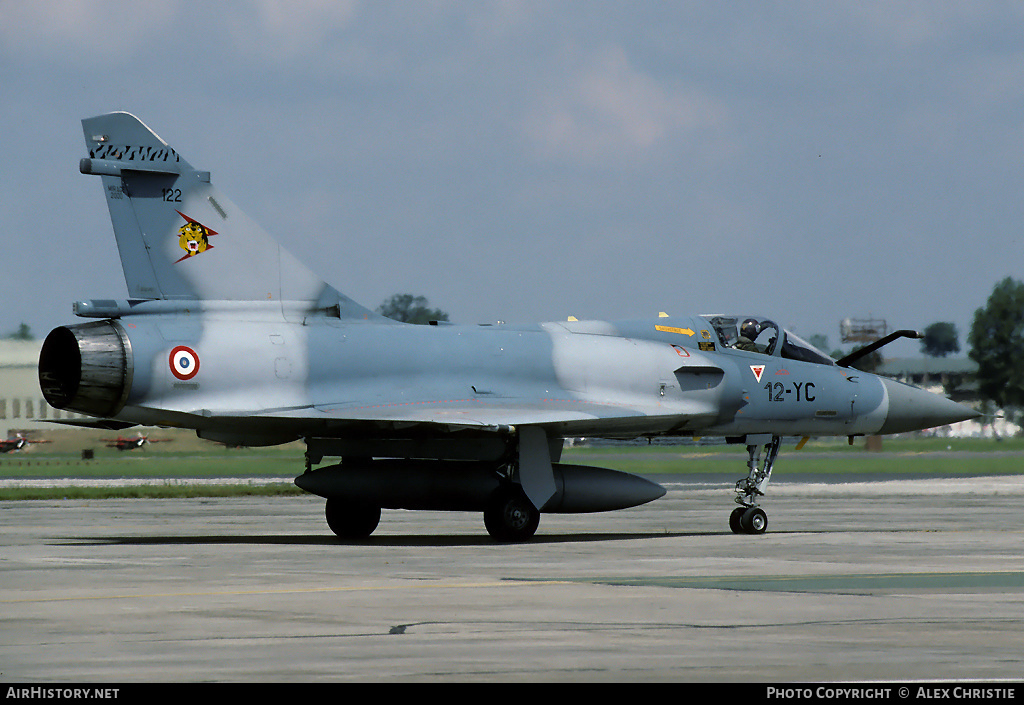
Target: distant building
955,375
22,407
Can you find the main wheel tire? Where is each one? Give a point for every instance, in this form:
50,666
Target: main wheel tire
350,520
754,521
511,517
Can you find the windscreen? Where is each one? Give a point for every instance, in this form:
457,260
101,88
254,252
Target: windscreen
795,348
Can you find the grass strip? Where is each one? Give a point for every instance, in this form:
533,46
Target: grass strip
903,457
149,492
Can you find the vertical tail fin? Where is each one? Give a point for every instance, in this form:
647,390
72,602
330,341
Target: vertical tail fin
178,237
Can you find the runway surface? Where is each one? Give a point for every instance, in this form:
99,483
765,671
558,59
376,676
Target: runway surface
880,581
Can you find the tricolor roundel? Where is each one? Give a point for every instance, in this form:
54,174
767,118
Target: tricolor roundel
184,362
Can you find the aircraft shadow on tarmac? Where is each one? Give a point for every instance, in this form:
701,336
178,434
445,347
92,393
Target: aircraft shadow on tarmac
413,540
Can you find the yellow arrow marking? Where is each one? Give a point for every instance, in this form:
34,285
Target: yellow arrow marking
670,329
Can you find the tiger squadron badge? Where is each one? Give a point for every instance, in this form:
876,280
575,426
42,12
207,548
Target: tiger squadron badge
193,237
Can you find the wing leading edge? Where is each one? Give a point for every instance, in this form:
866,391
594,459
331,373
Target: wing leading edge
572,417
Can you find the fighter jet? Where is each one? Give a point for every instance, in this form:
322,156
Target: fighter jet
226,333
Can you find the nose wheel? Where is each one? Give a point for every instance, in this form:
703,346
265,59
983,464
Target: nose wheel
748,520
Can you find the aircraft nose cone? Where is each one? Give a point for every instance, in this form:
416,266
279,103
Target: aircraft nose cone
913,409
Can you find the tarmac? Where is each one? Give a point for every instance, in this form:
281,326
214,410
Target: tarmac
883,581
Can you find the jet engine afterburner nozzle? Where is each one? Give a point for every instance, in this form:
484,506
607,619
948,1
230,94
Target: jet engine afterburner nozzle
86,368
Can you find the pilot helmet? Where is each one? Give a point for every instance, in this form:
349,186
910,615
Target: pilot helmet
750,328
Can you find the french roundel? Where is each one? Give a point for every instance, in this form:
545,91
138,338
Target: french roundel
184,362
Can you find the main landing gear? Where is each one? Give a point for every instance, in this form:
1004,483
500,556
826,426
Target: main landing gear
750,518
351,520
510,516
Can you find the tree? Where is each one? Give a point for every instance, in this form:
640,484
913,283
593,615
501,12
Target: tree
997,344
23,333
940,339
870,362
819,340
410,309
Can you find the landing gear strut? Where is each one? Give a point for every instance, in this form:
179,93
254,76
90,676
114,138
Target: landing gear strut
750,518
512,514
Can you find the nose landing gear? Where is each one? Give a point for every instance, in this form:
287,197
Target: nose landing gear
750,518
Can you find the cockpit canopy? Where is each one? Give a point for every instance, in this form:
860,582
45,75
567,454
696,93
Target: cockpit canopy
736,331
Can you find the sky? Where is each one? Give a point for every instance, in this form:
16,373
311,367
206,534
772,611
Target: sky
527,161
